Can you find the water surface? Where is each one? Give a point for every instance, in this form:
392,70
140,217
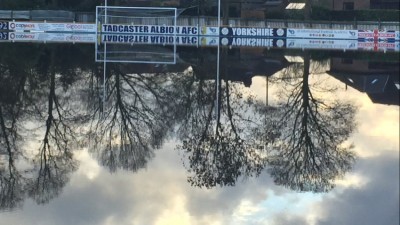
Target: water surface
276,136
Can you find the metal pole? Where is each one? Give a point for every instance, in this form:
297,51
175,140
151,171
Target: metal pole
219,15
105,59
217,92
266,92
219,25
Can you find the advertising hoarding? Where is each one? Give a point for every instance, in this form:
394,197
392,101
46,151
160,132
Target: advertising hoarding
149,39
322,34
52,27
148,29
321,44
52,37
252,42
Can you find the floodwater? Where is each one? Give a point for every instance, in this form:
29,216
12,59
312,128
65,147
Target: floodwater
204,136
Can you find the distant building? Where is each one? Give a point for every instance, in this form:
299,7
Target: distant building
239,66
379,80
362,4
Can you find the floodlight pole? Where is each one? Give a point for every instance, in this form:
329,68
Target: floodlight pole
217,83
219,15
105,60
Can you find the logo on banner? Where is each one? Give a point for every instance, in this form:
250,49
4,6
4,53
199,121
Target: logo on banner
12,25
209,30
224,41
280,43
291,31
203,30
12,36
352,33
80,26
291,44
225,31
280,32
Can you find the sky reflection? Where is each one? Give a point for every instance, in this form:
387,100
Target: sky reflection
160,193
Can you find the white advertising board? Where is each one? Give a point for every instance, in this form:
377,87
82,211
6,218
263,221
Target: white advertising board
149,39
209,31
377,34
322,33
148,29
52,37
209,41
321,44
52,27
378,46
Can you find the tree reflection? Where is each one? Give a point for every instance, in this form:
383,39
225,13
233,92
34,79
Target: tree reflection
218,146
11,181
54,162
134,121
309,153
32,104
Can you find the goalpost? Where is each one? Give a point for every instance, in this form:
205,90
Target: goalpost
127,34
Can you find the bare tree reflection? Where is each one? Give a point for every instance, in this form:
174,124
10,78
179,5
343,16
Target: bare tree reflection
134,121
54,161
11,181
35,97
310,153
218,146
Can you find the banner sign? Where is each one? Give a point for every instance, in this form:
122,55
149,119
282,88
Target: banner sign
321,33
149,39
253,32
3,25
212,31
377,35
378,46
321,44
241,31
252,42
148,29
52,27
209,41
3,36
52,37
195,40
